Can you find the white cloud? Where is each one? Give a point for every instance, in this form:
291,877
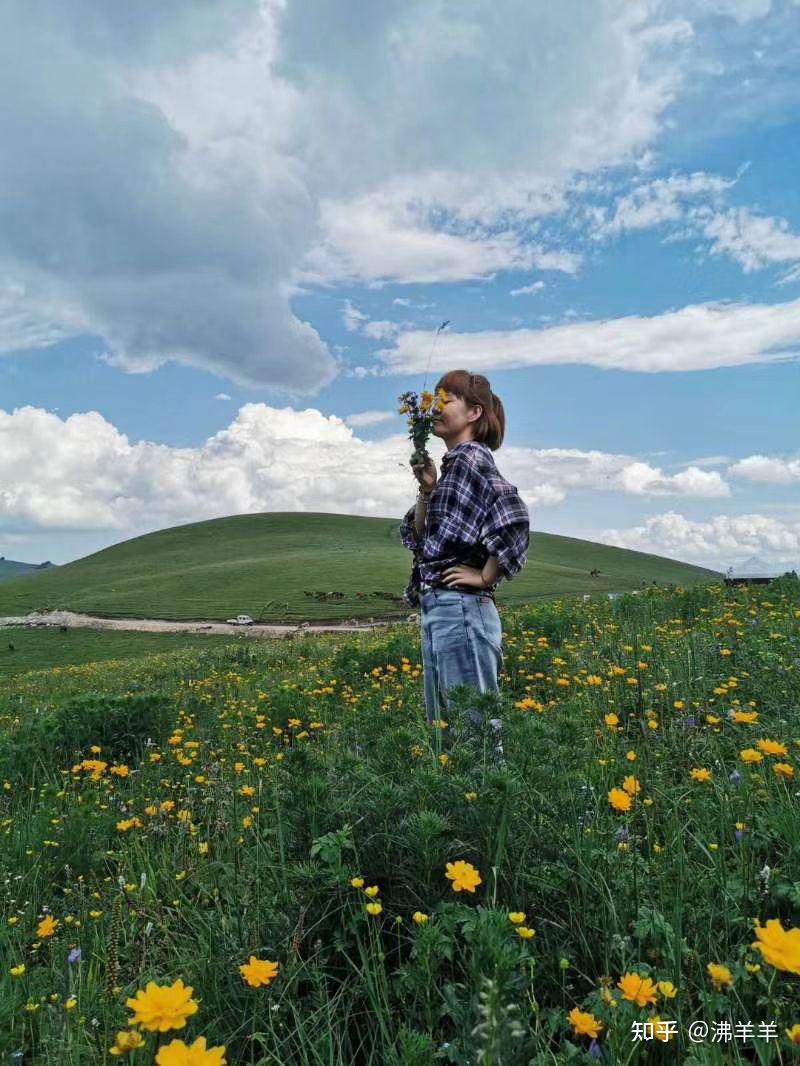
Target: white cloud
643,479
130,207
717,542
696,337
174,171
377,329
368,418
381,329
82,473
33,324
710,460
402,301
380,238
663,200
222,396
752,241
768,469
352,317
527,290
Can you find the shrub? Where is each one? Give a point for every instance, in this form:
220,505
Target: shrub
120,725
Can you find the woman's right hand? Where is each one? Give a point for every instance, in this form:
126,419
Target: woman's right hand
426,475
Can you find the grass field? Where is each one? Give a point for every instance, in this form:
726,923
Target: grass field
273,824
44,648
263,565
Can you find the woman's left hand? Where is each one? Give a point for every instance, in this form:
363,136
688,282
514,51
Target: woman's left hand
469,576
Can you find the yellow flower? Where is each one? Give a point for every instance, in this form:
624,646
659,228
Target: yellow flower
700,774
783,769
420,918
584,1024
357,882
71,1003
374,908
794,1034
750,755
127,1040
517,917
720,975
779,947
525,932
744,717
630,756
639,990
463,875
611,720
619,800
17,971
47,926
258,972
197,1054
631,785
771,747
162,1007
470,796
667,989
202,847
372,891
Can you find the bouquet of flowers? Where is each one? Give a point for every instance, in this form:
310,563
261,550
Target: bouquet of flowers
422,411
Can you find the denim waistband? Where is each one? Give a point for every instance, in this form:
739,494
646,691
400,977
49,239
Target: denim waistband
426,587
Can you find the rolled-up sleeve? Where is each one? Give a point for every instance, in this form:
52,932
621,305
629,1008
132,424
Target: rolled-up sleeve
408,531
506,533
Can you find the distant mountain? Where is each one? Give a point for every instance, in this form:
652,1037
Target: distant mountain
9,568
755,566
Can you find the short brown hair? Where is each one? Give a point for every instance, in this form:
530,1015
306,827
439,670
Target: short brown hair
474,390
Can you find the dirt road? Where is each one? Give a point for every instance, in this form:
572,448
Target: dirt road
159,625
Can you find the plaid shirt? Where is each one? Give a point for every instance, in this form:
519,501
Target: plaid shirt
472,513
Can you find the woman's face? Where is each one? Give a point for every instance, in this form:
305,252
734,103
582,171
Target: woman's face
454,422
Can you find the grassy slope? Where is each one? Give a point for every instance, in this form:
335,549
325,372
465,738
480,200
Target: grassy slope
211,570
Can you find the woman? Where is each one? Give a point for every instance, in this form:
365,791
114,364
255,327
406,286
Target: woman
467,530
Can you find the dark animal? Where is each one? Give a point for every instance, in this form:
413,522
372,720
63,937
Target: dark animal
11,647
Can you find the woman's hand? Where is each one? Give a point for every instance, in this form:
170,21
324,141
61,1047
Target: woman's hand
469,576
425,475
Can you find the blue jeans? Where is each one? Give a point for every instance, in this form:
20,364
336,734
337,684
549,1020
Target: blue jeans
461,644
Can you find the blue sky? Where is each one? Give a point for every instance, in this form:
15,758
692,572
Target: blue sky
215,282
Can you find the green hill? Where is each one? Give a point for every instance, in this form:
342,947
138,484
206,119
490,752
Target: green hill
227,566
9,568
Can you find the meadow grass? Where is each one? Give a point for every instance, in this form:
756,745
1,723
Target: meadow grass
27,648
178,816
